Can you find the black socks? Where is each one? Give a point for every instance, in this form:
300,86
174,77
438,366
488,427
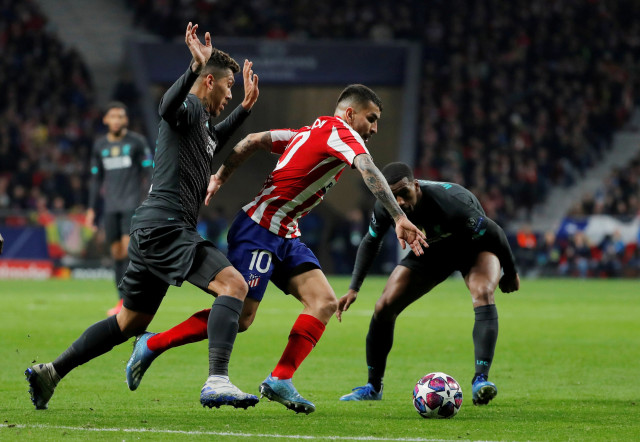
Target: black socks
379,343
222,328
485,335
95,341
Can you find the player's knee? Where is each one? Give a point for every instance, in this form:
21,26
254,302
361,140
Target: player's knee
482,294
234,285
331,305
384,310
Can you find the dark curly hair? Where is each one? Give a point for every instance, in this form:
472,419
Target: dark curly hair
218,63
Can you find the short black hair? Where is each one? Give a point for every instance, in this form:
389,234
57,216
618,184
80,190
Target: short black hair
394,172
360,94
220,61
115,105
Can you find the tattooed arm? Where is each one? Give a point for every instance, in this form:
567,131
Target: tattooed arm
406,231
376,183
240,153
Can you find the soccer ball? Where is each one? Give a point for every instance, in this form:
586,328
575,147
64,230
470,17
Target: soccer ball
437,395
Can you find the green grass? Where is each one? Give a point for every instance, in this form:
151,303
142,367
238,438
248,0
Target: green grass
567,365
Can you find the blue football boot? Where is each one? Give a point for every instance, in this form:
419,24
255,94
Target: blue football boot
140,360
483,390
218,390
364,393
283,391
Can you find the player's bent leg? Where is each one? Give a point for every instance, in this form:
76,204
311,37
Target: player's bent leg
218,391
482,280
42,379
403,287
283,391
364,393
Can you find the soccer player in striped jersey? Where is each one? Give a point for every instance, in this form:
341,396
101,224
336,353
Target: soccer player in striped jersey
121,163
461,237
264,239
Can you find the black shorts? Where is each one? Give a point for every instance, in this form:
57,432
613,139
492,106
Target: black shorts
116,225
164,256
440,260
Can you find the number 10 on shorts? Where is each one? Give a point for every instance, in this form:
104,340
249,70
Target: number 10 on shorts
259,262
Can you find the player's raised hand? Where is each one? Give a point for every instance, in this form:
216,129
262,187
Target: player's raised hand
408,233
200,52
212,188
251,90
509,283
344,302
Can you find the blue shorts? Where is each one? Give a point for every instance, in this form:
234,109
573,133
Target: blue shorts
262,256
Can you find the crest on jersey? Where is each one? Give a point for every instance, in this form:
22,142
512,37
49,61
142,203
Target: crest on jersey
211,146
253,281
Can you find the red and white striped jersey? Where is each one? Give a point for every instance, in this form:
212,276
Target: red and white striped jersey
311,162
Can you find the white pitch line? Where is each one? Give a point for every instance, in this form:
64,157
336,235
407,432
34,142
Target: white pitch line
228,433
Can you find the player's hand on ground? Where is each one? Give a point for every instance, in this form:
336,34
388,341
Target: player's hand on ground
251,90
344,302
212,188
408,233
509,283
200,52
90,220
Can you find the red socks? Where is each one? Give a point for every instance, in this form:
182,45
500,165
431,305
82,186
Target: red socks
193,329
305,333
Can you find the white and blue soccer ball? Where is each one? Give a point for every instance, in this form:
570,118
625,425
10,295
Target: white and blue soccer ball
437,395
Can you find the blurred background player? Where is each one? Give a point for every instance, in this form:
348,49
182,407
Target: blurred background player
120,165
461,237
165,247
264,239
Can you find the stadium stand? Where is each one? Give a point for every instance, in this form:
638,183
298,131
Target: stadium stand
517,97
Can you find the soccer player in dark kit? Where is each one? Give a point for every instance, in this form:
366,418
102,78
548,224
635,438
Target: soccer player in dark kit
461,237
165,248
121,161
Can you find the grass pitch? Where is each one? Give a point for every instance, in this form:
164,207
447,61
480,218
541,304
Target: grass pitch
566,366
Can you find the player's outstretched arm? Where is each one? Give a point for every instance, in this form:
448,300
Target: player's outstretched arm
406,231
240,153
200,52
251,90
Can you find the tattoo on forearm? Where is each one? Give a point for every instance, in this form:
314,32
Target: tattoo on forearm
243,150
266,139
377,184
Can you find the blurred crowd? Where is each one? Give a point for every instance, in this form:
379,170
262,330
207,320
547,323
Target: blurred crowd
618,195
47,116
575,255
516,97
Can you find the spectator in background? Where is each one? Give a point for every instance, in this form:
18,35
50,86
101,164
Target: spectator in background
577,259
548,254
526,250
